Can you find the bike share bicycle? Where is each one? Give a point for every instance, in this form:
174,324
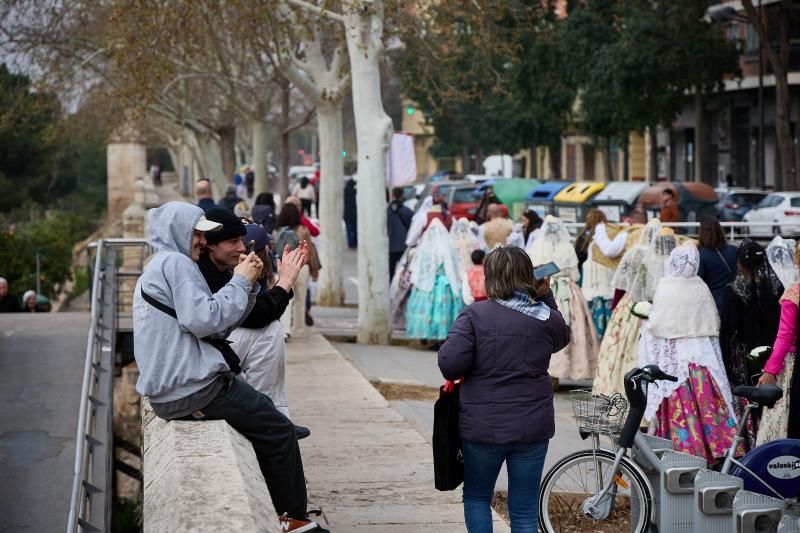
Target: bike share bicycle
601,489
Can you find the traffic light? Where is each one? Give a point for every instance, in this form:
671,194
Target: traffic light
344,153
410,110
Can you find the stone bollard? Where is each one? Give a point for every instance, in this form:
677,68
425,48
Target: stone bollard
133,227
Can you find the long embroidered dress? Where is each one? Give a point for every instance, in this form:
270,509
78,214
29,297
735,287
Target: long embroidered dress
435,299
681,337
619,351
783,420
579,359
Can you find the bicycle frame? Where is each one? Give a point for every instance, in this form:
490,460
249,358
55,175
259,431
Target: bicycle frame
730,459
599,506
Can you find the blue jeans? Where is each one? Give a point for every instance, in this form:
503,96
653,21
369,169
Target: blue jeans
482,462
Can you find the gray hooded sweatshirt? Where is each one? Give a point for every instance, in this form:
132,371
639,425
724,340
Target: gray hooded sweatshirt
173,362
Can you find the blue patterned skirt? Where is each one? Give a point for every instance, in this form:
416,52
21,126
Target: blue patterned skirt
429,315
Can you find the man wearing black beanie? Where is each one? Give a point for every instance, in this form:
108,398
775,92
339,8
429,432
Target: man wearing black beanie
223,250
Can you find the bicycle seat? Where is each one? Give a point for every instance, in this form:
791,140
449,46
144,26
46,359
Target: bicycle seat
765,395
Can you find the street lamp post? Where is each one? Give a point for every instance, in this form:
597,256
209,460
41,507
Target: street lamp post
726,14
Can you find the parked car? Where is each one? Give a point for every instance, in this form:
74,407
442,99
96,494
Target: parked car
782,209
461,201
443,175
734,203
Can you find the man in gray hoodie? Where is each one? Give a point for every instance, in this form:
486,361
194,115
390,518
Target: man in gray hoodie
186,377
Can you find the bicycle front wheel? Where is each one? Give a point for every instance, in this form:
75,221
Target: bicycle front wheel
578,477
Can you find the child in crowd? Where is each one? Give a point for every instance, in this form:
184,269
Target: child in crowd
475,276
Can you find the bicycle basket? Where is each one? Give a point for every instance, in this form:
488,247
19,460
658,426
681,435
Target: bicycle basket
598,413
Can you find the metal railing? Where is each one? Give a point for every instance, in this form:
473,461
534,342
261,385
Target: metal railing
735,231
91,498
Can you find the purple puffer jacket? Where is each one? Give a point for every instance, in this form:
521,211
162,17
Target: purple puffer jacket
503,355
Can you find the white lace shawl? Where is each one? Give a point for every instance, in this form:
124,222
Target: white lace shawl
629,274
683,306
554,244
435,249
517,238
465,242
596,278
654,262
781,257
673,357
418,222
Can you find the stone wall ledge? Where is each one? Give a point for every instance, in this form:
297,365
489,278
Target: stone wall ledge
201,477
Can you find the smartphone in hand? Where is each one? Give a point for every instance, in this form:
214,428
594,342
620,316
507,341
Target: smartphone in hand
249,247
545,271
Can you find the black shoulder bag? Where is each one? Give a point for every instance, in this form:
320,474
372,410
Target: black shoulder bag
222,345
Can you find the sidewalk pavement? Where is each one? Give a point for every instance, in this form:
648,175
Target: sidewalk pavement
410,366
367,468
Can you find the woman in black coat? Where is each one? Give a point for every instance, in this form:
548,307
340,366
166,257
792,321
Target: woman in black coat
502,347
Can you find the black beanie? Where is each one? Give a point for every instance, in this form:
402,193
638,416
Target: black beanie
232,226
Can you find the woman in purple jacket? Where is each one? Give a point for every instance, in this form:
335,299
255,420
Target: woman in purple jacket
502,348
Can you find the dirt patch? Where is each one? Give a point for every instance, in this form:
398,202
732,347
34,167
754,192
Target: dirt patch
566,512
500,504
404,391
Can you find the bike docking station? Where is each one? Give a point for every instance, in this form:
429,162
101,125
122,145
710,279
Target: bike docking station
642,484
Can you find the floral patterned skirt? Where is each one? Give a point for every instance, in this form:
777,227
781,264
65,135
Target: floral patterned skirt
619,349
775,421
696,417
429,315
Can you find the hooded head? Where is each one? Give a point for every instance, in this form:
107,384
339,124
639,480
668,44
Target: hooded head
173,227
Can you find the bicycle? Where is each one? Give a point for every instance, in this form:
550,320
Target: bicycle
601,487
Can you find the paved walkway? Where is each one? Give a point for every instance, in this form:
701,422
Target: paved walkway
41,369
368,469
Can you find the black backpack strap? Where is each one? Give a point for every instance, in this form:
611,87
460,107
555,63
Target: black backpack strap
164,308
222,345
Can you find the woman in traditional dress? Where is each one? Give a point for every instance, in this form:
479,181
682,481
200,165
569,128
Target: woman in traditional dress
750,317
465,242
597,274
579,359
681,337
783,419
618,350
435,299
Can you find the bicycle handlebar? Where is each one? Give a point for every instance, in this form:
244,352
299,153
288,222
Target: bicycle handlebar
651,374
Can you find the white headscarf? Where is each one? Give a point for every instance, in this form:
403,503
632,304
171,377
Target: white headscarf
629,274
517,238
781,257
26,295
554,244
435,249
682,305
418,221
465,242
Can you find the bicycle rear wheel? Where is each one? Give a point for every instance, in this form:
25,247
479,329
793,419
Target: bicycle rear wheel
575,478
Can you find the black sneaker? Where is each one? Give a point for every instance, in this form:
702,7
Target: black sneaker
301,432
309,319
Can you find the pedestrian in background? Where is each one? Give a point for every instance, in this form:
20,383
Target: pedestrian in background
502,348
305,191
669,207
398,219
497,228
783,420
751,312
351,213
29,302
202,191
8,301
717,259
230,199
264,211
